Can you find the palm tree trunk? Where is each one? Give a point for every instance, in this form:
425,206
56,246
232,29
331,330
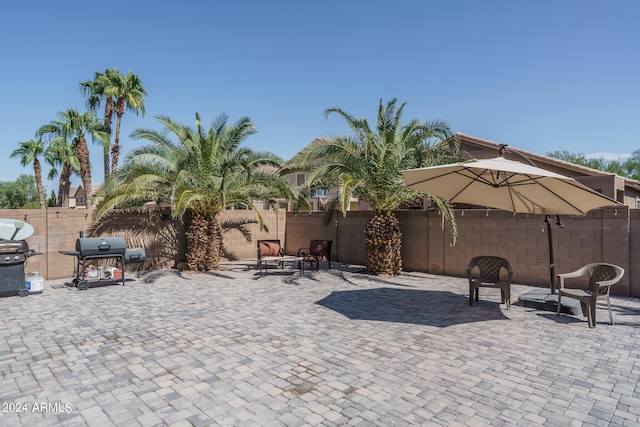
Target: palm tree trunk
215,244
107,165
383,242
82,151
64,185
204,242
197,243
115,150
108,119
37,170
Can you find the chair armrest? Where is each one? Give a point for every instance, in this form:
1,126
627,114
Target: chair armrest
572,274
562,277
301,251
605,283
583,271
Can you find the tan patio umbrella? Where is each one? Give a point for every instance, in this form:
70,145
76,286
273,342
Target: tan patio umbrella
508,185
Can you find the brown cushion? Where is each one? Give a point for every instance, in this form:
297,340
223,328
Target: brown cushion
269,249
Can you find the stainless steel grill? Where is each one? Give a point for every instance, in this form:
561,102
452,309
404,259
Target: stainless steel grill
13,255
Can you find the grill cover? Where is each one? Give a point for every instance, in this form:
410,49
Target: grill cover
92,246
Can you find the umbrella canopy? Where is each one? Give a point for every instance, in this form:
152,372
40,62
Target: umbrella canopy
511,186
508,185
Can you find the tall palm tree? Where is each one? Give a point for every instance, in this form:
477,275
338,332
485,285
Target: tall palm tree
73,126
367,163
129,93
60,153
95,91
204,171
29,151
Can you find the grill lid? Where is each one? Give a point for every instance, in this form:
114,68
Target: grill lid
106,246
13,246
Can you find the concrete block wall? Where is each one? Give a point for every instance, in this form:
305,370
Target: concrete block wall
54,230
634,252
605,235
310,227
162,237
242,231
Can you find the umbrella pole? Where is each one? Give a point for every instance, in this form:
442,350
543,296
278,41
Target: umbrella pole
552,267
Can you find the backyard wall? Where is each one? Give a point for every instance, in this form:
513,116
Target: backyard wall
57,229
604,235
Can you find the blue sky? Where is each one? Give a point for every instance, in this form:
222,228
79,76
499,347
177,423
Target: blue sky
539,76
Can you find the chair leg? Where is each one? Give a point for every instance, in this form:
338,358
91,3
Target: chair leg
591,313
585,309
471,292
610,312
559,305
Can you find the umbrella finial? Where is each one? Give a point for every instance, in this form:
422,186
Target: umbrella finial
502,149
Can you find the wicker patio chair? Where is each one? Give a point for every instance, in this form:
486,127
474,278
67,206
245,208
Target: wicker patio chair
601,277
489,268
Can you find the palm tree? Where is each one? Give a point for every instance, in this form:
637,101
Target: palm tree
205,172
73,126
94,90
129,94
29,151
367,163
60,153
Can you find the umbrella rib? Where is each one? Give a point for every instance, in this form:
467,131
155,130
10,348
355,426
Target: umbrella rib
478,177
562,198
536,181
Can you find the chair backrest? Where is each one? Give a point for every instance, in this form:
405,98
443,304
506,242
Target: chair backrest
321,249
268,248
603,272
489,267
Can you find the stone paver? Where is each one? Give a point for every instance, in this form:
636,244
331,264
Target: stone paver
333,347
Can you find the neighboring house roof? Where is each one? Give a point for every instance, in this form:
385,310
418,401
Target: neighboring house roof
73,191
482,148
472,145
567,168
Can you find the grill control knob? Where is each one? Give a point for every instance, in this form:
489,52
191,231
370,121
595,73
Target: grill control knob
7,258
16,258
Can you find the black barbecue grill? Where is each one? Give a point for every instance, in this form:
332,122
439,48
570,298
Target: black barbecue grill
13,255
91,248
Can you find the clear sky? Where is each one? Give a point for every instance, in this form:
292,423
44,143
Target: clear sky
540,76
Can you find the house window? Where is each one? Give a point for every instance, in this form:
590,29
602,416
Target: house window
319,192
301,179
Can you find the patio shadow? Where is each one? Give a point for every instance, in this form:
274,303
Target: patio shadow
414,306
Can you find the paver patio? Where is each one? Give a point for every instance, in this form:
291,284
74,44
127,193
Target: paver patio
334,347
